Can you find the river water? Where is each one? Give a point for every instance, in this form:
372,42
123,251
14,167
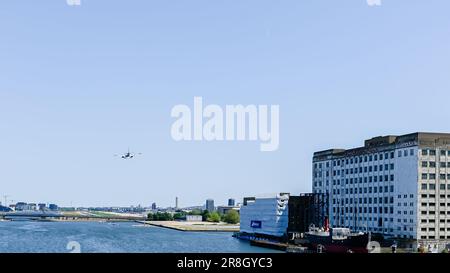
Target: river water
96,237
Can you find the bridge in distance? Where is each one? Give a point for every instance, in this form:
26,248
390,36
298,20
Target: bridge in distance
43,215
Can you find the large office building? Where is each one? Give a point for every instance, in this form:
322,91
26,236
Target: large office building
209,206
394,185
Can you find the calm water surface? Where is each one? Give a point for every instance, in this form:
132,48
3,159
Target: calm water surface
49,237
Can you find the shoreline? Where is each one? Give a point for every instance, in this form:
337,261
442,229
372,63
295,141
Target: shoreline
192,226
69,220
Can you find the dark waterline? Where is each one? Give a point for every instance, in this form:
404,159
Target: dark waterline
96,237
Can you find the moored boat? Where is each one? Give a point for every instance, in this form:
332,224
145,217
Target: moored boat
337,240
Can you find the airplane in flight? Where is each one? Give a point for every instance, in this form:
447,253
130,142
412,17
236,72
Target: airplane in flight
128,155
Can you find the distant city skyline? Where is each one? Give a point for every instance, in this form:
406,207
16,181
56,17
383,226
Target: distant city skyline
80,84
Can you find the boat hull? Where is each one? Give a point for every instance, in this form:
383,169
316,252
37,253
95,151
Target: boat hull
351,244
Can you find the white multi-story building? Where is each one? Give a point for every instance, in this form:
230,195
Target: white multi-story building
265,215
394,185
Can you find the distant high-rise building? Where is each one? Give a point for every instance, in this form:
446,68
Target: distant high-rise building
32,206
176,202
210,205
154,206
231,202
21,206
53,207
42,206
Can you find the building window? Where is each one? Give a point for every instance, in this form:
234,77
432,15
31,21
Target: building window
424,152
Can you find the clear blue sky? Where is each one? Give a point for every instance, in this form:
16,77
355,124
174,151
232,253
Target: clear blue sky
79,84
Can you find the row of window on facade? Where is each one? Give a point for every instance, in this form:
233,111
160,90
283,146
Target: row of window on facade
434,237
350,161
366,210
380,156
358,159
432,186
405,220
432,212
379,189
432,176
433,221
432,204
432,164
366,169
365,219
367,179
369,221
364,190
432,152
364,200
431,229
433,196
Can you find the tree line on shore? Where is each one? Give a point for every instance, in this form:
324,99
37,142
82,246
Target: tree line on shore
231,217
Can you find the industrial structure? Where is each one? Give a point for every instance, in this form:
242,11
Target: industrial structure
398,186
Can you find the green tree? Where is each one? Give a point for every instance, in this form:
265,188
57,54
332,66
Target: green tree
160,216
195,212
167,217
205,215
150,217
214,217
179,215
232,217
